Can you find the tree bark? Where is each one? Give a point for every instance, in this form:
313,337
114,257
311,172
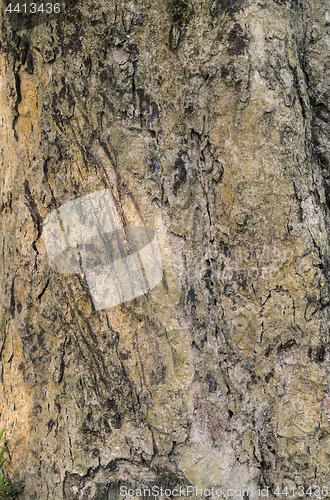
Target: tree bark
209,122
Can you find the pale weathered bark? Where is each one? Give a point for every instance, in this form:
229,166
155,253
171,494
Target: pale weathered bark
209,121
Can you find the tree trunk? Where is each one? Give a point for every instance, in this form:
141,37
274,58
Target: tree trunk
208,121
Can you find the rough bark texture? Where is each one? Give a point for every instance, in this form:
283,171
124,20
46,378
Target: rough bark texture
209,121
